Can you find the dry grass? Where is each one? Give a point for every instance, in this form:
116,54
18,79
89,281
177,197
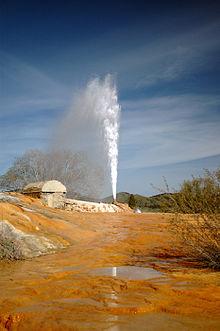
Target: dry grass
196,218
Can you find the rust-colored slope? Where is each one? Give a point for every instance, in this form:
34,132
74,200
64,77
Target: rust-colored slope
66,291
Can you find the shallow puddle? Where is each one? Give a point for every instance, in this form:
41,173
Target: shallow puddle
128,272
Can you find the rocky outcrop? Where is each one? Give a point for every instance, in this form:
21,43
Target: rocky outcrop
5,197
92,207
29,229
123,207
16,244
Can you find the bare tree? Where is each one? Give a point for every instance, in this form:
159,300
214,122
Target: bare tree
74,170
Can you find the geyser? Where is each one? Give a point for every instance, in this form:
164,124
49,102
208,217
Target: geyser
103,96
92,125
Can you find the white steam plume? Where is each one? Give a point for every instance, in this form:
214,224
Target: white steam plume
92,124
103,97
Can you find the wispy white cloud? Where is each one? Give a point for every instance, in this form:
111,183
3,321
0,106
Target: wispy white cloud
178,56
164,59
19,135
25,88
28,98
167,130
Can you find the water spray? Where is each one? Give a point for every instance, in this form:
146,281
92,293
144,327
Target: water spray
103,96
92,122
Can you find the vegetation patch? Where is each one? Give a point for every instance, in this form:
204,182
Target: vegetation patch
196,220
146,204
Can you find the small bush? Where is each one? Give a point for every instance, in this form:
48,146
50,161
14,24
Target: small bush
132,202
196,220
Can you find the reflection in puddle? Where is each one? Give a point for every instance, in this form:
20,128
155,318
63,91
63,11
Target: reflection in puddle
114,271
114,327
128,272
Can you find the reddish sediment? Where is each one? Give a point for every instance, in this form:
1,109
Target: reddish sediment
61,291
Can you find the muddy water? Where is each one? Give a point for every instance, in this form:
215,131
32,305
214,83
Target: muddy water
120,272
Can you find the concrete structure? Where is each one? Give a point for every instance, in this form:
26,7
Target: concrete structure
52,193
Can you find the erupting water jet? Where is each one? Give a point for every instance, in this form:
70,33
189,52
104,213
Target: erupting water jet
91,125
102,94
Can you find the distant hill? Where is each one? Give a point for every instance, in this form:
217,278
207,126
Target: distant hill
152,203
122,197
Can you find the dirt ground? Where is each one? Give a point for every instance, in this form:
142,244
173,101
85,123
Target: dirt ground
117,272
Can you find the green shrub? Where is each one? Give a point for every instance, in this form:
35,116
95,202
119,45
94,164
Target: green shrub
132,202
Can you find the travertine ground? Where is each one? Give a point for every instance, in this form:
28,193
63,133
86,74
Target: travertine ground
70,290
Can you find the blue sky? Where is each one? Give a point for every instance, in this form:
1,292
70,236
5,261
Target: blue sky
165,57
